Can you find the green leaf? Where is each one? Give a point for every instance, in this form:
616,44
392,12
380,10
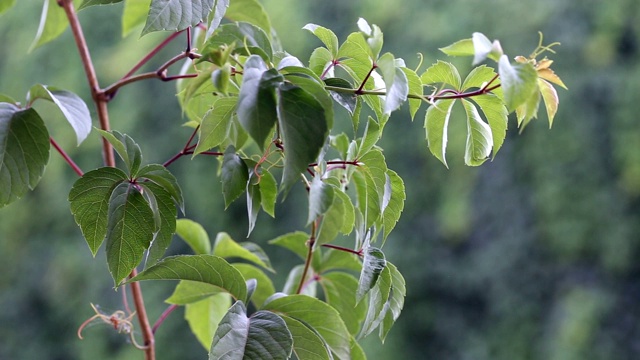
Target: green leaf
479,77
162,177
88,3
8,99
378,303
208,269
24,151
126,148
214,129
319,316
394,191
295,241
263,335
415,87
89,198
518,82
483,48
203,316
264,289
234,177
215,17
374,169
72,106
6,5
497,116
436,124
307,343
319,61
130,229
396,83
268,192
250,11
339,260
373,35
176,15
528,110
188,292
459,48
134,14
372,265
256,102
442,72
337,286
254,201
194,235
371,136
479,137
356,350
328,38
309,82
53,22
248,39
334,220
226,247
320,198
395,302
304,130
293,282
347,100
167,221
550,97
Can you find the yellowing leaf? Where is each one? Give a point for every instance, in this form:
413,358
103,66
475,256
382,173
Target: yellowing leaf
550,97
549,75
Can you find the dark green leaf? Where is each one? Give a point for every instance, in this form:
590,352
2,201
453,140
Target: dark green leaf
256,102
307,343
304,131
208,269
250,11
89,198
159,175
347,100
88,3
372,265
126,148
308,81
24,151
234,177
264,289
442,72
194,235
518,82
268,192
203,316
334,219
248,39
436,124
130,229
176,15
167,222
394,188
226,247
319,316
337,287
214,129
395,302
264,335
320,198
479,137
72,106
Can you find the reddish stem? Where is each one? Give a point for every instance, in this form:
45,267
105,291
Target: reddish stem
151,54
66,157
163,316
345,249
307,263
366,78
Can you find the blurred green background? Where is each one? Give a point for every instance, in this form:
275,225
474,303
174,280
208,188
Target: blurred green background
531,256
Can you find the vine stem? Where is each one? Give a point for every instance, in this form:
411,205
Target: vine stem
109,157
163,317
307,264
66,157
454,95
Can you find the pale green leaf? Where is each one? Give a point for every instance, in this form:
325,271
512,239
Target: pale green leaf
307,343
214,129
479,137
479,77
53,22
215,17
328,38
295,241
415,88
234,176
226,247
320,198
319,60
304,130
317,315
208,269
134,14
264,289
203,317
370,192
372,265
176,15
268,192
24,151
187,292
436,124
396,83
88,3
442,72
394,190
518,82
528,110
262,336
497,116
250,11
194,235
371,136
550,97
248,39
337,287
89,200
459,48
6,5
72,106
130,228
356,350
483,48
292,283
339,260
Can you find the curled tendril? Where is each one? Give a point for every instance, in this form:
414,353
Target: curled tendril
118,319
540,49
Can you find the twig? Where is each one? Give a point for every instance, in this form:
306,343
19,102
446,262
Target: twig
66,157
163,317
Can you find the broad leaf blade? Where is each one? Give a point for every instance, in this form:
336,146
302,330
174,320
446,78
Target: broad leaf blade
372,265
214,129
268,192
176,15
497,116
436,124
394,188
248,38
320,198
442,72
134,14
336,287
53,22
130,229
307,343
187,292
72,106
328,38
304,130
479,137
203,316
167,215
459,48
208,269
6,5
264,289
319,316
550,97
415,88
378,303
226,247
162,177
295,242
194,235
518,82
24,151
250,11
234,176
395,302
